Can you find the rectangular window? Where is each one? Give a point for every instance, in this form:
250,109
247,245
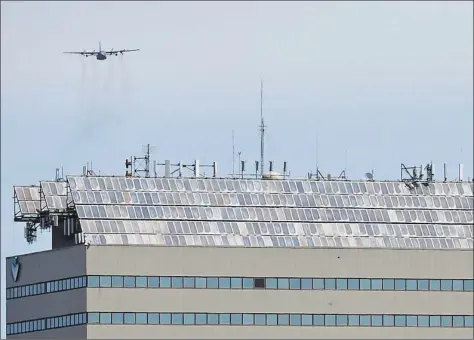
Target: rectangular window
318,284
468,321
330,320
272,320
105,318
236,283
306,284
400,321
212,282
176,318
165,319
236,319
458,321
165,282
283,319
224,283
105,281
295,284
92,317
377,284
177,282
141,282
283,283
423,284
342,320
412,321
200,282
377,320
423,321
330,283
353,284
468,285
129,318
117,318
364,320
388,320
435,285
411,285
341,284
364,284
446,285
117,281
435,321
188,282
247,319
249,283
224,319
153,282
446,321
92,281
129,282
153,318
188,319
295,320
260,319
458,285
141,318
388,284
353,320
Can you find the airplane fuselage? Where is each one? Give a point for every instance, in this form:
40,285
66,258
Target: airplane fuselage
101,56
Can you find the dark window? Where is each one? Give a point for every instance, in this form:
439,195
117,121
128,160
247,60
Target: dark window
259,283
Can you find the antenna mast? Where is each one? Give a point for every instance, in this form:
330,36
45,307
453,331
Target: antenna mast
262,131
233,155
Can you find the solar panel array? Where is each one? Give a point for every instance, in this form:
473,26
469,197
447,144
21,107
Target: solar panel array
271,213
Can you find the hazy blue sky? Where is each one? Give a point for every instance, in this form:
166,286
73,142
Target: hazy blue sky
386,82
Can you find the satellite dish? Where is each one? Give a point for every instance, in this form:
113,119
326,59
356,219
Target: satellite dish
369,176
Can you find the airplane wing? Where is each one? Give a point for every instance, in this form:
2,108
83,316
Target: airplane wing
119,51
83,53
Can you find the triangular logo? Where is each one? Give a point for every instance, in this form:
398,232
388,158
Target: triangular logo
15,266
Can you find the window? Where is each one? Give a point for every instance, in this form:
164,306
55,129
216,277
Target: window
423,321
295,319
117,318
129,318
364,284
272,320
468,285
153,318
188,319
412,321
201,319
388,320
117,281
364,320
341,284
400,321
330,320
318,284
224,283
141,318
435,321
165,318
212,282
435,285
224,319
105,318
105,281
260,319
200,282
129,282
176,318
423,284
283,283
93,281
93,317
247,319
177,282
236,283
165,282
458,285
388,284
141,282
283,319
342,320
446,285
353,284
411,285
153,282
377,284
258,282
236,319
330,284
295,284
188,282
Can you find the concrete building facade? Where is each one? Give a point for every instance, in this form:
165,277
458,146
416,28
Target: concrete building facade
125,265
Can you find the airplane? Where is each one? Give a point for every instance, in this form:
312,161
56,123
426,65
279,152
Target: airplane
101,55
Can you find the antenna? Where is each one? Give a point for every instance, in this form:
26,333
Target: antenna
233,155
262,131
138,164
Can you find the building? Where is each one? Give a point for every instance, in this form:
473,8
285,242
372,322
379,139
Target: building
239,258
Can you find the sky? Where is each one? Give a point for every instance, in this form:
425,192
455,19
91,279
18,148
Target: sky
359,86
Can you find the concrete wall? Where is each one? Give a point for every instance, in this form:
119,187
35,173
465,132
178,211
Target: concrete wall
277,332
46,266
75,332
359,263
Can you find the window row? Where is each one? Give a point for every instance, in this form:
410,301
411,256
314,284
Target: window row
275,186
268,228
271,200
46,323
271,319
273,214
280,241
121,281
46,287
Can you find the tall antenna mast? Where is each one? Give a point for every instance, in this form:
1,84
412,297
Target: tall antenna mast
262,131
233,155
